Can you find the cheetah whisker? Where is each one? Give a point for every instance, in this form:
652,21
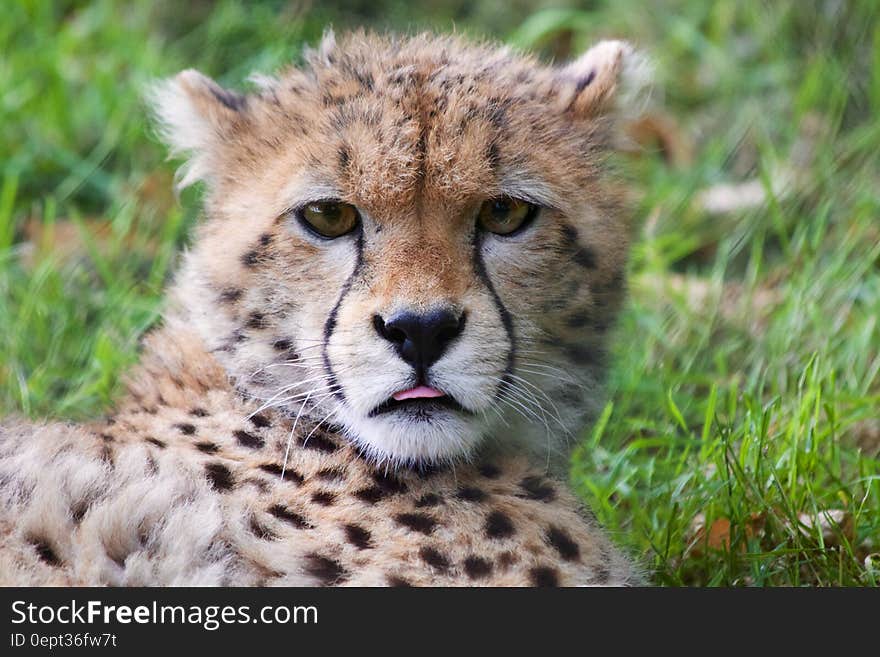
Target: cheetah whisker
290,437
324,419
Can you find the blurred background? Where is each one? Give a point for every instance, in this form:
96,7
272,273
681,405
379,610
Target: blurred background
741,440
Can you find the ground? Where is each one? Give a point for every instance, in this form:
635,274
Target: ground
741,441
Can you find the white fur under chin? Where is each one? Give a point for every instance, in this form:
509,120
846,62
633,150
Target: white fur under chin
394,440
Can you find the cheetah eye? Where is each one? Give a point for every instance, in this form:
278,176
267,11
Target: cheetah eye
329,219
505,215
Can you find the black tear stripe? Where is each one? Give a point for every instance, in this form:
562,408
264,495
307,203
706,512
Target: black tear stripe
506,319
330,324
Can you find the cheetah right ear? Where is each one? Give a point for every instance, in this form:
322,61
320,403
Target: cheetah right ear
193,115
610,80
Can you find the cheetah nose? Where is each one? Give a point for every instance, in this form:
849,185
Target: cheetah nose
420,339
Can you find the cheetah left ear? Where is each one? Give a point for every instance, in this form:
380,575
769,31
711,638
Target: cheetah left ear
194,115
611,79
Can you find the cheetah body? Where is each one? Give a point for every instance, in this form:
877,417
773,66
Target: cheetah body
186,485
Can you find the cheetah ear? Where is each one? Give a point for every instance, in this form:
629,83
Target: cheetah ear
611,79
193,115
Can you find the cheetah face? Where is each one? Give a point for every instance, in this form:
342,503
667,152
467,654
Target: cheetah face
411,240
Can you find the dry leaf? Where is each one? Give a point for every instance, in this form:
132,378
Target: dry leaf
63,240
662,131
700,294
831,522
717,537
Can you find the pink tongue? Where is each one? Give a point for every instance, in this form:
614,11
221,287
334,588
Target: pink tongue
419,392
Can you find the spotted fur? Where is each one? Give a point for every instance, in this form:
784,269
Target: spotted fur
248,449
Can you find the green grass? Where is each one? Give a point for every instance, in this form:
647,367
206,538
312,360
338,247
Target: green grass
745,388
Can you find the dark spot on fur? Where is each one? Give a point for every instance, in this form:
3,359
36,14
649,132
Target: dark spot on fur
499,525
582,255
397,582
417,522
324,498
265,239
207,448
230,295
186,429
536,488
289,473
602,324
289,516
261,421
333,428
579,319
492,155
257,321
319,442
199,412
246,439
569,236
585,257
331,474
507,559
229,99
282,345
585,82
434,558
344,157
106,437
79,510
583,355
477,567
219,476
617,282
250,259
156,442
45,551
471,494
563,544
427,470
327,571
489,471
428,499
544,576
261,531
370,495
358,536
389,484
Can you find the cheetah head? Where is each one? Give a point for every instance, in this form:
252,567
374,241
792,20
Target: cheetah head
411,239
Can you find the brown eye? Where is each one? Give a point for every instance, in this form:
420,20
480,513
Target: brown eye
505,215
329,218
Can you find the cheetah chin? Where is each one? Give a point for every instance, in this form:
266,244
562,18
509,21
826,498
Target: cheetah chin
393,316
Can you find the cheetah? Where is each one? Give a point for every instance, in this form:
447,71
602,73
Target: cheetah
371,361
